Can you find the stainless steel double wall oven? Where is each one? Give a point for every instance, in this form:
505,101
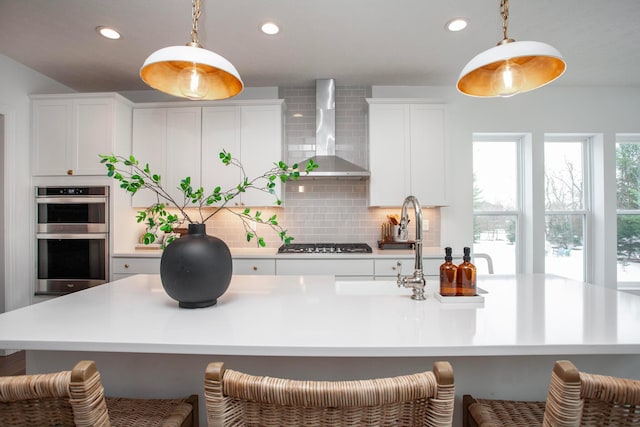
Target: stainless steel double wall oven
72,238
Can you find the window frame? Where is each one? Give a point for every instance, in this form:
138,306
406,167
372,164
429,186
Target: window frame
624,139
587,193
519,214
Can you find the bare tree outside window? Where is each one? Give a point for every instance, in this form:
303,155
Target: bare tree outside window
564,208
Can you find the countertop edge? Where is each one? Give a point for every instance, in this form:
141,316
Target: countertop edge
302,351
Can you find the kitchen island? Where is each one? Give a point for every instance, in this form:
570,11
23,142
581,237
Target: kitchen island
322,328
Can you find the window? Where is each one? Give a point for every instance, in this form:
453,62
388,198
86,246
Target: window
628,209
496,200
565,207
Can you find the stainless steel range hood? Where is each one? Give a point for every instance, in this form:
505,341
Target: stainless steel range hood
329,165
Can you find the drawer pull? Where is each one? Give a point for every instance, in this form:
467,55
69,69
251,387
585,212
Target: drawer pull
255,268
126,266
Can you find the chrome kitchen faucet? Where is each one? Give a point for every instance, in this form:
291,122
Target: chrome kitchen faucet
416,281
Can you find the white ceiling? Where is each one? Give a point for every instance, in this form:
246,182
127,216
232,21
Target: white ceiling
364,42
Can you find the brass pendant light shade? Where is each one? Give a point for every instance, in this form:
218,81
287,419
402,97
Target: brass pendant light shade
511,67
191,71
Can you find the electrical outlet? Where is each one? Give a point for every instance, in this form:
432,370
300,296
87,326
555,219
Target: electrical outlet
425,225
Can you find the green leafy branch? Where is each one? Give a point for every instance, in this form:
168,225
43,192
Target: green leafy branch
134,176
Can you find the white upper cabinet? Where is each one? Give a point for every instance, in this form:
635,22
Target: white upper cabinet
183,149
149,146
178,142
70,131
261,146
407,153
168,140
253,135
220,131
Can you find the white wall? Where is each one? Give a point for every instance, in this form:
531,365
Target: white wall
551,109
17,83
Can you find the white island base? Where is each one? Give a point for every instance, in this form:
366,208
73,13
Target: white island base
313,327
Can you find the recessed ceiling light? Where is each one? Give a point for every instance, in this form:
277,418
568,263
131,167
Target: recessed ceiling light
457,24
108,33
270,28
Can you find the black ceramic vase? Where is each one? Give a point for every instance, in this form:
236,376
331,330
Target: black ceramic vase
196,268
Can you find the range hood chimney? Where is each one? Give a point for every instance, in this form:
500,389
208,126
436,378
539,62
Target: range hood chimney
329,165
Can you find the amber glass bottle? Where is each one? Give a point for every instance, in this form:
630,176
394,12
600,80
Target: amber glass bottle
448,275
466,276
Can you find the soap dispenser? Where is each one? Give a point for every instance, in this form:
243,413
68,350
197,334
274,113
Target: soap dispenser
448,284
466,276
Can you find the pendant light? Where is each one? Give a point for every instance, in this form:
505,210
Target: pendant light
511,67
191,71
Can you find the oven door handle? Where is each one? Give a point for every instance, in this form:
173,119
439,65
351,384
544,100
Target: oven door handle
56,236
67,200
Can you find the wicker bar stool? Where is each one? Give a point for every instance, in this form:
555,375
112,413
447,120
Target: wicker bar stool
574,398
238,399
76,398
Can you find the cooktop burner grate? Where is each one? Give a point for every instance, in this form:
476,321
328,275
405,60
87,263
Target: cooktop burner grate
325,248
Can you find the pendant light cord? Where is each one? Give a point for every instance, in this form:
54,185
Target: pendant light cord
504,12
195,7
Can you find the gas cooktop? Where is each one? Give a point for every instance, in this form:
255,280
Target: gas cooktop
325,248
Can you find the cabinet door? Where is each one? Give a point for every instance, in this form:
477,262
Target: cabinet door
427,159
52,129
93,135
407,153
385,268
220,131
149,146
183,149
389,154
253,135
261,146
124,267
317,266
254,266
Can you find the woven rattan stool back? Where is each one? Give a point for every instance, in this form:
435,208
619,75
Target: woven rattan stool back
76,398
574,399
238,399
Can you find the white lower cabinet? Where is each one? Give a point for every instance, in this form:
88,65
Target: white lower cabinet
352,268
124,267
128,266
356,269
386,268
260,266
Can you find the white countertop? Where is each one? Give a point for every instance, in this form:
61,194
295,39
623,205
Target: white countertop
316,316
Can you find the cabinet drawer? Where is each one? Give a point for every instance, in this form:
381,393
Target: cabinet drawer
337,267
389,267
136,266
254,266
